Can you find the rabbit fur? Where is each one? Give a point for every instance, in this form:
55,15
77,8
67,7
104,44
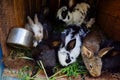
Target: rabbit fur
94,50
46,51
77,16
43,52
37,28
70,46
111,61
40,27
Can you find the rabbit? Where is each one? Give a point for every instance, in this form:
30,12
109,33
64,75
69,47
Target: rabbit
70,45
94,50
40,27
111,63
46,51
45,54
71,17
37,28
80,14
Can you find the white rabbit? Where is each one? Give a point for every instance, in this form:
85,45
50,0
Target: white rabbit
37,28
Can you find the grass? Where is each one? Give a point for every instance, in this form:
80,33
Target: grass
16,53
72,70
24,73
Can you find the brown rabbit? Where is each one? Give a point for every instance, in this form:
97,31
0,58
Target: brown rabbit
91,52
93,62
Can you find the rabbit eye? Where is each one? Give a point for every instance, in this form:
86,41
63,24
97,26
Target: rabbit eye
90,65
40,31
72,57
77,9
81,17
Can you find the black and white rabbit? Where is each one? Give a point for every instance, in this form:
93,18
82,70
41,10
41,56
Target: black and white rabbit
81,13
70,47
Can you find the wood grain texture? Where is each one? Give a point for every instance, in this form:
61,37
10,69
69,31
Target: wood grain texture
109,17
12,15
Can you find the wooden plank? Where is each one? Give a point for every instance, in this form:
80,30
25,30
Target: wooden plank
3,25
111,7
108,18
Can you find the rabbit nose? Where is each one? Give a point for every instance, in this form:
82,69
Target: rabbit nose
68,60
96,74
38,37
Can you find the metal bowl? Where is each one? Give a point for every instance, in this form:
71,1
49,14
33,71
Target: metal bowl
20,38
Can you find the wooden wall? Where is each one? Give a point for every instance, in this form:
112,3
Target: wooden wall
109,18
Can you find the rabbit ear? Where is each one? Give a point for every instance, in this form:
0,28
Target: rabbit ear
71,3
86,52
36,19
71,44
104,51
55,43
30,21
28,27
